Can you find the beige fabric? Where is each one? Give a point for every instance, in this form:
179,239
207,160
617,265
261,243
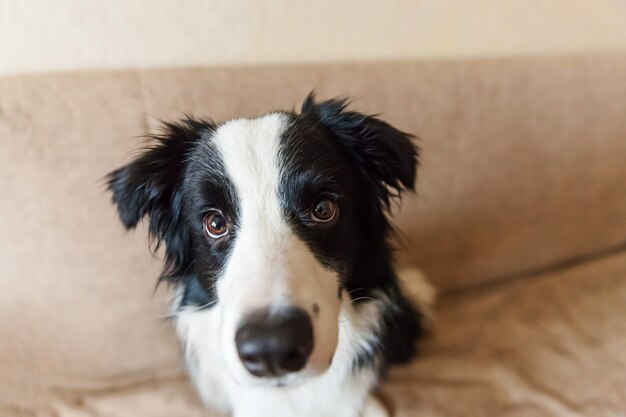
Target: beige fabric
523,161
548,346
524,165
75,306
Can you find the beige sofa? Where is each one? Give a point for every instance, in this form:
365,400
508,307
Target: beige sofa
519,220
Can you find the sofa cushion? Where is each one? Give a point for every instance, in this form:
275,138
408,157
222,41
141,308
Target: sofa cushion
550,345
553,344
75,306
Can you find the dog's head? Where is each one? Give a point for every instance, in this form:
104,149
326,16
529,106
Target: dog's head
276,221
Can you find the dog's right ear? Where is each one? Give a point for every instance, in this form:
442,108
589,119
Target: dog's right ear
385,155
150,185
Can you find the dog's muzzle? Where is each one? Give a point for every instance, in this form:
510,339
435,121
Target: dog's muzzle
274,344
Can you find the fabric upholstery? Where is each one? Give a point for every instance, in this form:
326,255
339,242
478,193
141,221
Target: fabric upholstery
523,169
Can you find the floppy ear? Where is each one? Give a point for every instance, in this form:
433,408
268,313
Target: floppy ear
383,153
151,185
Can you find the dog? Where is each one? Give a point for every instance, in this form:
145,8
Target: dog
276,239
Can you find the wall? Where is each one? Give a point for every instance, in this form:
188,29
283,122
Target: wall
60,35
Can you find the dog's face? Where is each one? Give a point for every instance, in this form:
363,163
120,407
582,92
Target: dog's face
275,221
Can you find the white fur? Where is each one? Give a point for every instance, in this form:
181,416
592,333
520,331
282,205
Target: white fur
270,267
338,392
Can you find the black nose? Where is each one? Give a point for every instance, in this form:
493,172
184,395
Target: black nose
275,344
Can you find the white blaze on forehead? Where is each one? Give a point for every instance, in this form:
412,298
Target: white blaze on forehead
268,266
249,150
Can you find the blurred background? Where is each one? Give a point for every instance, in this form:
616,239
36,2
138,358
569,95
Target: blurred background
65,35
519,218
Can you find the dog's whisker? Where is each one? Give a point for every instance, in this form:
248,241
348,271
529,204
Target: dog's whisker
188,309
362,298
199,308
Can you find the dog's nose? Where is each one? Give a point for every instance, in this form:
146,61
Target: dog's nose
275,344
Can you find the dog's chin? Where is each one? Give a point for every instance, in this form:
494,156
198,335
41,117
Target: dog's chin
283,382
280,382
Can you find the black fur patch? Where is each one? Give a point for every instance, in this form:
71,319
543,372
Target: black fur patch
364,163
174,182
358,160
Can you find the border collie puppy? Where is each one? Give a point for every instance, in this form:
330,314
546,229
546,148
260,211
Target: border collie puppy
275,232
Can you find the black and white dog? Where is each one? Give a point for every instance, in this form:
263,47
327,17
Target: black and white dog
276,239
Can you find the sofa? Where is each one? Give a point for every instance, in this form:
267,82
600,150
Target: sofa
519,220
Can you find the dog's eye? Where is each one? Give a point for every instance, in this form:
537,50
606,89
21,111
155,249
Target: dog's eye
215,224
324,210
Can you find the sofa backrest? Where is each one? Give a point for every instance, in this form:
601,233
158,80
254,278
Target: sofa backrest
523,166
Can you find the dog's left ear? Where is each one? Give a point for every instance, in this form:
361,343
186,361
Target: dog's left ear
384,154
151,186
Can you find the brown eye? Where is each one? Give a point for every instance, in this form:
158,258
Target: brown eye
215,225
324,211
